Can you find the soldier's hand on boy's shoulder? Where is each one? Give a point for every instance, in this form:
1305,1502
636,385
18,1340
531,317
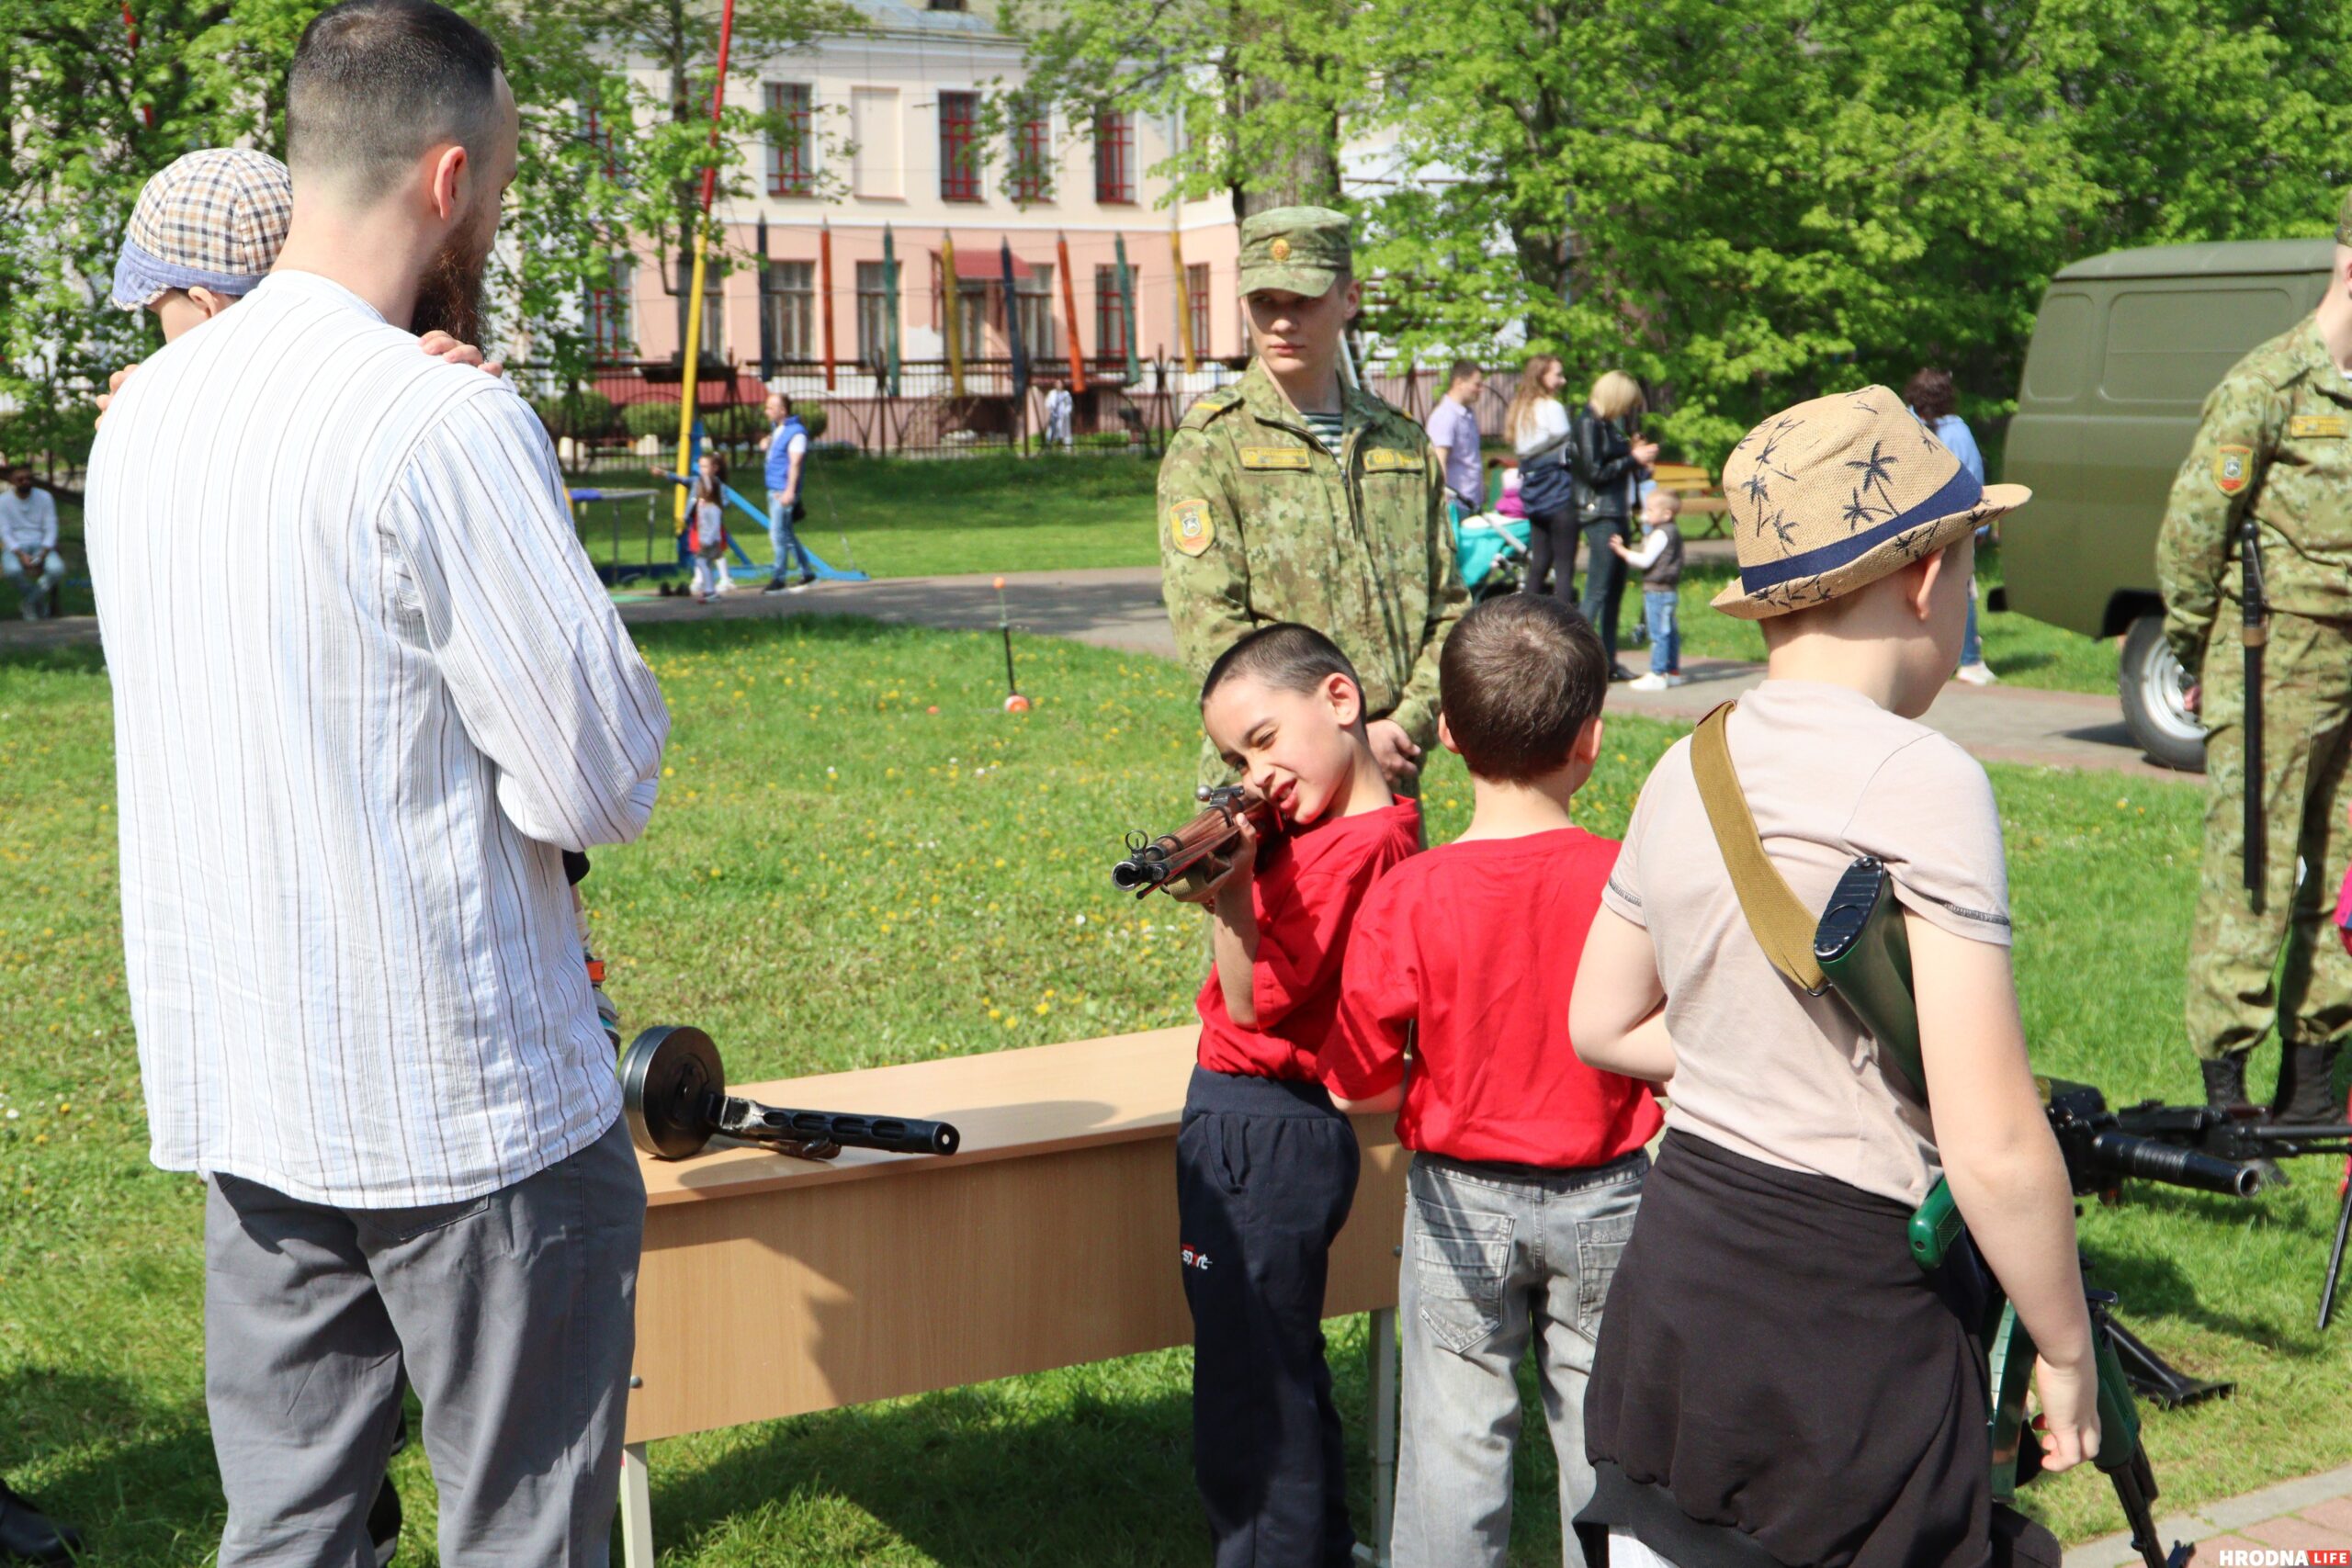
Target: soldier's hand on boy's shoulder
1399,759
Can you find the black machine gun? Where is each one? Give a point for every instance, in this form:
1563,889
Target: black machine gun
674,1093
1866,959
2245,1133
1193,855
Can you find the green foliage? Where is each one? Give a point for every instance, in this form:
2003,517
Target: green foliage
651,419
580,414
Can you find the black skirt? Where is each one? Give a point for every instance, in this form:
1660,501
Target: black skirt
1777,1382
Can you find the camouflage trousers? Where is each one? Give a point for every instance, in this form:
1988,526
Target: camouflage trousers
2237,986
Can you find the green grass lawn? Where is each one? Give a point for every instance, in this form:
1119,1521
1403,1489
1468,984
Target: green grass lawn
920,518
839,876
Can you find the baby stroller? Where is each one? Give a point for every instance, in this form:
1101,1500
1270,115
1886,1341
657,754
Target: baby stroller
1490,547
1491,550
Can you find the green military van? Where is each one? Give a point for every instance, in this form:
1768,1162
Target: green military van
2124,350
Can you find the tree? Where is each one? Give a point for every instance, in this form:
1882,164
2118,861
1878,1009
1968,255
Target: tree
1257,90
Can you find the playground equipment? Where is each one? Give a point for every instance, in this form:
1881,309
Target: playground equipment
735,498
1013,702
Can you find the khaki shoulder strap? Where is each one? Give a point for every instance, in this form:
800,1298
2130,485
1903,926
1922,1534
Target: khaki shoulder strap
1782,925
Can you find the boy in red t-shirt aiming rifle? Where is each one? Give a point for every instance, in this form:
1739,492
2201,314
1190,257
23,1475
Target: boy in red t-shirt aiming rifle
1527,1164
1265,1166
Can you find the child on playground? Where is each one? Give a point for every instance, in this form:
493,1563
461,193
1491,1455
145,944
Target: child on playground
1775,1377
707,515
1659,561
1527,1164
1265,1165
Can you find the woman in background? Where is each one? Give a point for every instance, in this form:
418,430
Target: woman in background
1934,400
1539,429
1608,456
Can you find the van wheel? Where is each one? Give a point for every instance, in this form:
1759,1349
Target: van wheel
2150,680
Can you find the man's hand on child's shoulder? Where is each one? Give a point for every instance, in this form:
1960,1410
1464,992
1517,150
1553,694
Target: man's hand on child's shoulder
439,345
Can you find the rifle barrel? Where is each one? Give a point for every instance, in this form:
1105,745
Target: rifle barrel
2150,1160
895,1134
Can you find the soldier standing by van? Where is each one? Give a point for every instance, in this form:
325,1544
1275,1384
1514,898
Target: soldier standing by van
1295,495
2272,458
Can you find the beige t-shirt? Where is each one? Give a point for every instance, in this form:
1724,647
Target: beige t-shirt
1761,1068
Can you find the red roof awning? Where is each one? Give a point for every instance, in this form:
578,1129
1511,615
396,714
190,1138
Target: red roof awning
982,267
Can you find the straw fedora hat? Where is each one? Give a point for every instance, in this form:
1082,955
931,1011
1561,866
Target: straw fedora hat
1834,494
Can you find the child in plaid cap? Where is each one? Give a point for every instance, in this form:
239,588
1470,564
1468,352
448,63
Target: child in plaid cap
206,229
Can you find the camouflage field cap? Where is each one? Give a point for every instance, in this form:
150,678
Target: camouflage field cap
1832,495
1299,250
2344,219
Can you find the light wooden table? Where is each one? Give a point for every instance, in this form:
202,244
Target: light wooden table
774,1287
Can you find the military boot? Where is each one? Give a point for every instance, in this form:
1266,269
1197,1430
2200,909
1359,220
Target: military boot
2225,1092
2307,1094
2224,1081
27,1535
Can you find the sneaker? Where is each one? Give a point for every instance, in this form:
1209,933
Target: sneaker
1676,677
774,585
1650,682
801,586
1977,674
1619,672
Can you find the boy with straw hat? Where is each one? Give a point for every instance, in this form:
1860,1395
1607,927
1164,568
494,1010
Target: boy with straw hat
1794,1154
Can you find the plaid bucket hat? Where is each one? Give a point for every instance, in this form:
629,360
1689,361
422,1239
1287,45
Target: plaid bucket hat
1831,495
212,220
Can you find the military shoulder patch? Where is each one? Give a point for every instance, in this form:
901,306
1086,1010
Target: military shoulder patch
2319,426
1387,459
1270,458
1191,528
2233,469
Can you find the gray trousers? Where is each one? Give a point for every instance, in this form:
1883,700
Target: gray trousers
1496,1261
515,1317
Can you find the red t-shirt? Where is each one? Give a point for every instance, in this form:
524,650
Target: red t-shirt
1478,944
1305,890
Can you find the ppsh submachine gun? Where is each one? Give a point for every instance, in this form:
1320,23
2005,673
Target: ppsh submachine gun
1195,854
1863,951
673,1091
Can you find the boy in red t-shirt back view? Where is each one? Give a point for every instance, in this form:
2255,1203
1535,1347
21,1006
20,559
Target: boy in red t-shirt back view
1265,1168
1527,1164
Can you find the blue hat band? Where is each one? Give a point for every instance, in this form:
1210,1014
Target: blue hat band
1960,494
140,275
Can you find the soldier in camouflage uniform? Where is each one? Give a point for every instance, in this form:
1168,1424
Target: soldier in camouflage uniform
2274,444
1294,496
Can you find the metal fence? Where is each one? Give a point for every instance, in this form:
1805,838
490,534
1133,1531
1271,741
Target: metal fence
925,413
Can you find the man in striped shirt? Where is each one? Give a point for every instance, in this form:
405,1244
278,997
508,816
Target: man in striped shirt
367,691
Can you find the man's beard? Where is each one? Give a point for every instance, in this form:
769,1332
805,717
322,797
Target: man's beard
448,298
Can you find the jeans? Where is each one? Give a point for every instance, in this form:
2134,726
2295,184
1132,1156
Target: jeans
1972,648
39,594
1658,608
1604,581
1496,1261
783,541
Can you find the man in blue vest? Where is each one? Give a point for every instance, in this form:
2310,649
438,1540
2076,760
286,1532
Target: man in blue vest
787,457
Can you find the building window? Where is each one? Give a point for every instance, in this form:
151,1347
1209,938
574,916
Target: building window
872,312
1033,152
610,332
791,167
976,309
792,308
1110,325
1196,301
714,316
959,146
1032,297
1114,158
877,166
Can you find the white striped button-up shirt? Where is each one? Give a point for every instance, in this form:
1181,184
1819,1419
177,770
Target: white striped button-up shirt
366,689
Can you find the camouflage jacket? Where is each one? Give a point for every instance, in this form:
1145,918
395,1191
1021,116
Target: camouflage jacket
1259,523
2276,441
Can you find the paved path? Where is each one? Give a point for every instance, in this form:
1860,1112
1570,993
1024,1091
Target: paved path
1120,607
2315,1511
